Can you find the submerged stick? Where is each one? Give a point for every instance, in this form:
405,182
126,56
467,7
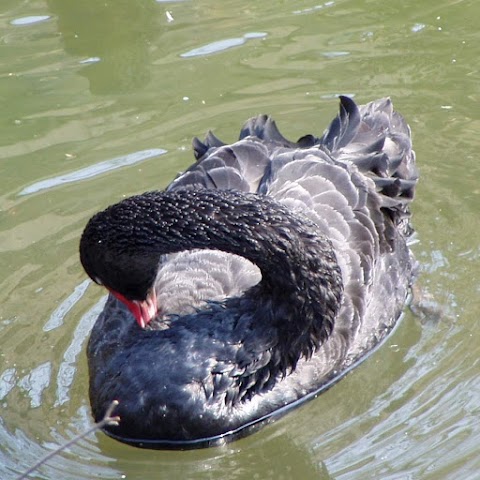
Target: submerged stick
106,420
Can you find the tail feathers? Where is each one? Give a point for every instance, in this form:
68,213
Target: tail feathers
201,148
240,166
264,128
344,127
261,127
373,137
377,140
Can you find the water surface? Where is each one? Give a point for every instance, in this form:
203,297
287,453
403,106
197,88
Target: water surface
100,100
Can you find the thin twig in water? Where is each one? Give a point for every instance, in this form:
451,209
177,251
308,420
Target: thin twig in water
106,420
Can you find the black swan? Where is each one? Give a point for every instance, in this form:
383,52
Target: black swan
258,278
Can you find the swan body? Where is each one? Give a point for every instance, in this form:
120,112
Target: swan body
257,278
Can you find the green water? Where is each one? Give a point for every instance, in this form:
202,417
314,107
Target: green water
92,94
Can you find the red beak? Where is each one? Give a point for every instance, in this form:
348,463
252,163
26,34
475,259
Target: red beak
143,311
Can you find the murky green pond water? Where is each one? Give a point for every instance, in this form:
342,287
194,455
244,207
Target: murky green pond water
100,100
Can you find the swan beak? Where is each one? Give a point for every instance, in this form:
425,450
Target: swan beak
143,310
146,309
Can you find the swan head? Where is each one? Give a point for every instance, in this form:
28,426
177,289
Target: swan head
111,259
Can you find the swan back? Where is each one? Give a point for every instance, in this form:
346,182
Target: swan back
355,182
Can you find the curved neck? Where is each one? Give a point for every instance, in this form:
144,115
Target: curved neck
301,280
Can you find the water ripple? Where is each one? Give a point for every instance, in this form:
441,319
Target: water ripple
36,382
30,20
222,45
66,372
93,170
58,315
